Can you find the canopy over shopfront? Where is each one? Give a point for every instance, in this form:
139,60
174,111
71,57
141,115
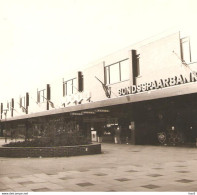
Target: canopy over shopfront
177,90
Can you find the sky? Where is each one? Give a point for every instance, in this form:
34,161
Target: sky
42,40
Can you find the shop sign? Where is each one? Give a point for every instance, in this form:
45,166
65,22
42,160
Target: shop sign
77,98
162,83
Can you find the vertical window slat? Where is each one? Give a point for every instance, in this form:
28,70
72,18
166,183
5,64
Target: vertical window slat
64,89
120,71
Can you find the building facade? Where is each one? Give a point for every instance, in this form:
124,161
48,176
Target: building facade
143,94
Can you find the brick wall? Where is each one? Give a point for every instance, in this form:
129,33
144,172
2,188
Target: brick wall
50,151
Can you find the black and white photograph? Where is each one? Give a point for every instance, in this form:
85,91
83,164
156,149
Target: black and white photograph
98,96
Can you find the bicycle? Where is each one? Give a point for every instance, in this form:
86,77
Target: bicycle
171,137
161,137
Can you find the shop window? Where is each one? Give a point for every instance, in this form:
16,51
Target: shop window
70,87
117,72
185,50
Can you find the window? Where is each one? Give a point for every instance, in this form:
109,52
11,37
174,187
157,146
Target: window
185,49
114,72
22,104
117,72
124,70
41,96
70,87
8,105
107,74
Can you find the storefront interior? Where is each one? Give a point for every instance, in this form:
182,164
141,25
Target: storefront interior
164,121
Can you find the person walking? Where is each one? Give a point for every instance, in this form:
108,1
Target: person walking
117,135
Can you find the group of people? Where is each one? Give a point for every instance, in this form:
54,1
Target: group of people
118,132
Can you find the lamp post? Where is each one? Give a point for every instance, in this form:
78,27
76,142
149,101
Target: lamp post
5,113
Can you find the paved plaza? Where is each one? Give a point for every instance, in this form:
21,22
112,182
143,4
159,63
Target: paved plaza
119,168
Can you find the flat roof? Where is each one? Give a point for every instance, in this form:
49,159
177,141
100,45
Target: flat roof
176,90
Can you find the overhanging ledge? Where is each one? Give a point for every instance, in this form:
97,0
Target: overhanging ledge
177,90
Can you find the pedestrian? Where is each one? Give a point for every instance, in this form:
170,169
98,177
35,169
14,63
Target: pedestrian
117,135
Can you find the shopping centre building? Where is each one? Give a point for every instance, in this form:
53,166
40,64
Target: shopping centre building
144,94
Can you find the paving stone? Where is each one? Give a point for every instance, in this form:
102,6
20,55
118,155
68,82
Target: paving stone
83,170
62,174
56,181
22,189
115,188
8,190
6,180
42,175
150,186
54,187
2,184
72,188
85,184
54,174
95,188
3,189
132,171
137,171
100,174
38,185
122,179
184,181
171,187
25,182
73,181
14,185
138,165
155,175
36,179
180,166
66,178
14,177
182,171
41,190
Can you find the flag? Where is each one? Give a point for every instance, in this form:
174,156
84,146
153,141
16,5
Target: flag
106,89
51,104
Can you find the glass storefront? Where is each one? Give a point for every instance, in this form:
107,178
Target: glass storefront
164,121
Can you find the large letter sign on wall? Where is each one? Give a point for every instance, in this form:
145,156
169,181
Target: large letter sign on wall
78,98
162,83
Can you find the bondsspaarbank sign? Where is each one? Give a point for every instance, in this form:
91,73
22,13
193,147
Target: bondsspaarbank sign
162,83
